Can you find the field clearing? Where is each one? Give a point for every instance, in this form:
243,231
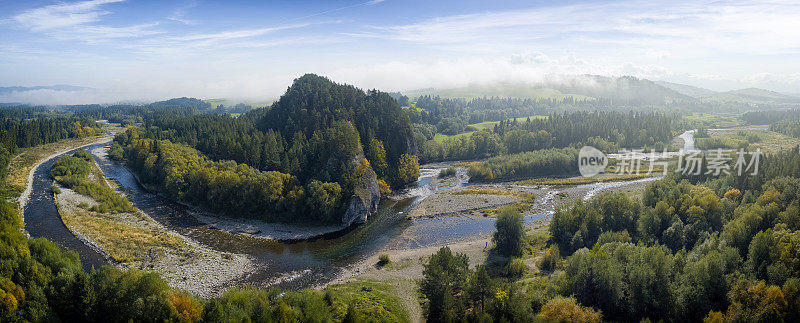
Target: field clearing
767,141
230,103
480,126
442,137
580,180
714,120
390,300
487,124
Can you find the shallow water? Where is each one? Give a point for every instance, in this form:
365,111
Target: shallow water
688,140
42,218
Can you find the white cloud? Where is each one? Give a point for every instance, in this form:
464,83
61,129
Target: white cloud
235,34
78,21
530,68
657,54
62,15
763,27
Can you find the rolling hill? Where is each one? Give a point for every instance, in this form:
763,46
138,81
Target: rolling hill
626,90
749,95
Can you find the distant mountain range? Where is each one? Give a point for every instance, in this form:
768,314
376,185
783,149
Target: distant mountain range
580,87
749,95
626,89
66,88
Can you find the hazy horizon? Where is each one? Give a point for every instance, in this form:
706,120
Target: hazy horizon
249,50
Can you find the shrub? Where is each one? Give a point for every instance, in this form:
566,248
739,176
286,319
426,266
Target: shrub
733,194
55,189
516,268
384,188
549,261
562,309
383,260
447,172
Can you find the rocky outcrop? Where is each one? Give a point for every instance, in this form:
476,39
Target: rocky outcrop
365,199
411,145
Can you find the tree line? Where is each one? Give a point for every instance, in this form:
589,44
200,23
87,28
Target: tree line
607,131
23,127
451,115
546,162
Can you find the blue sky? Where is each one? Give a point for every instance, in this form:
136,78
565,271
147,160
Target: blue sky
143,50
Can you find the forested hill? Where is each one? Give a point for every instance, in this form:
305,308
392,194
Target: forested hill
323,152
314,103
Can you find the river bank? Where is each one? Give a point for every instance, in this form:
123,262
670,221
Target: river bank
135,240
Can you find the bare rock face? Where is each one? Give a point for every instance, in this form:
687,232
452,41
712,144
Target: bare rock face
411,146
365,199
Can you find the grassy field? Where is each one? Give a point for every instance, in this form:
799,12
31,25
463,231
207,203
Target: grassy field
378,300
125,243
767,141
229,103
480,126
580,180
714,120
492,191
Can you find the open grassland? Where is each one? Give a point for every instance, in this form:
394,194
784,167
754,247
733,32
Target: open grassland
580,180
493,191
767,141
480,126
714,120
525,201
125,243
449,204
384,301
230,103
490,124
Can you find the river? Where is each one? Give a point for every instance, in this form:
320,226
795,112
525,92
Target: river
287,265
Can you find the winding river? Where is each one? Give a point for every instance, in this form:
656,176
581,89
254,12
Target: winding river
287,265
42,218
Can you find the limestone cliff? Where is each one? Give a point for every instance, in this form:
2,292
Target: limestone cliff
365,199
